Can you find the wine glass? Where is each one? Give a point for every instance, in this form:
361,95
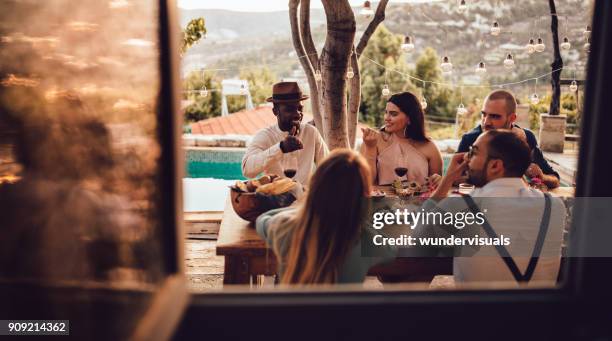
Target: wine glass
401,167
290,164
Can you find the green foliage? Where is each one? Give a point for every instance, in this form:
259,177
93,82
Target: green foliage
568,108
440,99
202,107
194,31
260,83
384,48
260,86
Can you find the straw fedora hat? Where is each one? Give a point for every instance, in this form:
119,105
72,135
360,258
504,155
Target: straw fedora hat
285,92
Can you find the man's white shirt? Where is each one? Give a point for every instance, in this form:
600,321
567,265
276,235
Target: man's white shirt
513,210
264,155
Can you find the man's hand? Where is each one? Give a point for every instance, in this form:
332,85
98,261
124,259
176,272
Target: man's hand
370,136
534,171
291,142
456,168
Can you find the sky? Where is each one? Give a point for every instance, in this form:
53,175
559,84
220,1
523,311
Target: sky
262,5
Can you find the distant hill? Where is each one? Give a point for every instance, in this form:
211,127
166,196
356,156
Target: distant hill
242,39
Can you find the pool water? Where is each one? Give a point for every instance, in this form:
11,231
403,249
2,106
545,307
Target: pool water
227,164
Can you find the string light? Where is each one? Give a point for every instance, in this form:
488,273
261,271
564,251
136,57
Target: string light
587,32
446,65
317,76
481,68
462,7
565,45
535,99
349,73
408,45
495,29
509,62
385,90
540,47
587,45
366,11
530,47
574,86
423,102
204,92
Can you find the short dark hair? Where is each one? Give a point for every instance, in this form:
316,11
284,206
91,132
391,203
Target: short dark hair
505,95
511,149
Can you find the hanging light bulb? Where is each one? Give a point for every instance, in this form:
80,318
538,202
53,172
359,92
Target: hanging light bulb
540,47
408,45
587,45
318,76
481,68
574,86
243,90
565,45
423,103
349,73
204,92
446,65
534,99
461,110
495,29
509,62
587,31
530,47
385,90
462,7
366,11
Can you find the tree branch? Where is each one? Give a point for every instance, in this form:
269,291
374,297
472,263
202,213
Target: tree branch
354,99
557,64
306,65
379,17
305,33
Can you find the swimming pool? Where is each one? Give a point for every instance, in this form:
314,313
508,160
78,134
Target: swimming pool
226,163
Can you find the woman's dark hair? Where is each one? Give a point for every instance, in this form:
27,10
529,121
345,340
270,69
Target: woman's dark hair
410,105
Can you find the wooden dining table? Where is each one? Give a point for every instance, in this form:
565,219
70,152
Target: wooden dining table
247,255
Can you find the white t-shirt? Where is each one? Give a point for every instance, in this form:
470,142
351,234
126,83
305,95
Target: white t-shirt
264,154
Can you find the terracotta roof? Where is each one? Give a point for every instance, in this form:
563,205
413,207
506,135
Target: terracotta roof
246,122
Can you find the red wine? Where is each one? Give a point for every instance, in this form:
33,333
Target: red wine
401,171
290,173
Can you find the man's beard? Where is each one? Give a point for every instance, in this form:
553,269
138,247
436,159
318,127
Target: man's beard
477,178
507,125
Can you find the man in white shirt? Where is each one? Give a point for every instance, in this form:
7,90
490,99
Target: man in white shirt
289,138
495,165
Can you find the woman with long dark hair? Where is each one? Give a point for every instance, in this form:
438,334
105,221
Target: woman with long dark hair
319,241
401,142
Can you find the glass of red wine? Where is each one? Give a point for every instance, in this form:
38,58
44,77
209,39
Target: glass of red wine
289,163
401,168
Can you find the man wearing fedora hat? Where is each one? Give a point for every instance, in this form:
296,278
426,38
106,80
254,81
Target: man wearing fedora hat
288,138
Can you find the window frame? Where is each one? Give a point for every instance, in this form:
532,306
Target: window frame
212,314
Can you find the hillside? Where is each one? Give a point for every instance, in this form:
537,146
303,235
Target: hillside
238,39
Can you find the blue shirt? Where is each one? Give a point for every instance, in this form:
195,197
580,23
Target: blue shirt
468,139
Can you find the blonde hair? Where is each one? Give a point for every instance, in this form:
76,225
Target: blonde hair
327,223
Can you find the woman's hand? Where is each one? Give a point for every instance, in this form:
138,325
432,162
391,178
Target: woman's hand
370,137
433,181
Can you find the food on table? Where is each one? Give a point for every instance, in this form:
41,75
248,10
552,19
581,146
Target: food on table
377,193
277,187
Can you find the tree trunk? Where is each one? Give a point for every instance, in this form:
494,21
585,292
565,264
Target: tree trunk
297,37
557,64
341,28
354,100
